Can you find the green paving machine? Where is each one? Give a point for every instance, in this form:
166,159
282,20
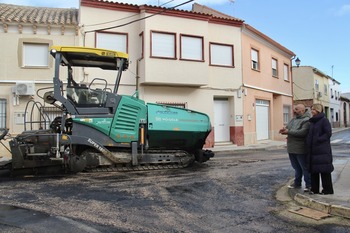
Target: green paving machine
101,130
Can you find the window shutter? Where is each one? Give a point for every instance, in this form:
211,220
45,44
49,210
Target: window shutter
191,48
163,45
35,54
111,41
221,55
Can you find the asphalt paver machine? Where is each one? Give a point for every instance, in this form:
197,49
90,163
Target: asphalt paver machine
101,130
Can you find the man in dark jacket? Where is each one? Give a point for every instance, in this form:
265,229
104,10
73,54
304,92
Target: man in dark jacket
297,130
320,159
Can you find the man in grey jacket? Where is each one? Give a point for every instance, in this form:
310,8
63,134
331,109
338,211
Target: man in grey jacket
296,131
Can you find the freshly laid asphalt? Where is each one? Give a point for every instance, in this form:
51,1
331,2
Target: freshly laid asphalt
337,204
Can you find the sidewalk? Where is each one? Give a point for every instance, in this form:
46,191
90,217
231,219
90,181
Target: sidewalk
337,204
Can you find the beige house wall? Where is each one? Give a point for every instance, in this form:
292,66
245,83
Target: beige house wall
13,71
305,79
195,83
91,16
303,87
261,85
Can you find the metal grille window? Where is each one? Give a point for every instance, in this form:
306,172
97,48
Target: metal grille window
51,113
179,105
3,104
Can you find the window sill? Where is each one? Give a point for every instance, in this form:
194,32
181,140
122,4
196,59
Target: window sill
35,67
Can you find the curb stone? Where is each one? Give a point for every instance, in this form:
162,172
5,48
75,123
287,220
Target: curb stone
335,210
340,211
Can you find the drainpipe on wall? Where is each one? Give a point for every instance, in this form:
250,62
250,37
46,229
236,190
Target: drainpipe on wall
291,80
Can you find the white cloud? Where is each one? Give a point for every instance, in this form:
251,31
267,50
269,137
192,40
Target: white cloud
344,10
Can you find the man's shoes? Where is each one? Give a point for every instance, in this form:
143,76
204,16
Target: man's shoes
306,189
293,186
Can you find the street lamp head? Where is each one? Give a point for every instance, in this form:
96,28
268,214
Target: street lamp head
297,62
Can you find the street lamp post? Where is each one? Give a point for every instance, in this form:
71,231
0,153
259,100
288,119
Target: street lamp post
297,62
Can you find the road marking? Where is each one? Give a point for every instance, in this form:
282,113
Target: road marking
336,140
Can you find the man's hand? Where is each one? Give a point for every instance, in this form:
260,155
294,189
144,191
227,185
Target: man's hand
283,131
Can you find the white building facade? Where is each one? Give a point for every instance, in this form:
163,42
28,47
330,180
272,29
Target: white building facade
334,102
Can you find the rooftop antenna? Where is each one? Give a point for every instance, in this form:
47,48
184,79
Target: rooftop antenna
232,2
332,70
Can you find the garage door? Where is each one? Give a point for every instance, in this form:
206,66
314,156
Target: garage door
262,119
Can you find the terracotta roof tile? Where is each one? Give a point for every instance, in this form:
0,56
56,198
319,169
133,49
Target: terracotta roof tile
38,15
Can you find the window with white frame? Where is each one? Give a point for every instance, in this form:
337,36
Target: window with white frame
274,68
112,41
35,54
191,48
286,72
221,55
3,114
286,114
163,45
325,89
316,85
255,59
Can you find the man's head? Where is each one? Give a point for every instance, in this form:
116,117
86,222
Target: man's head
299,109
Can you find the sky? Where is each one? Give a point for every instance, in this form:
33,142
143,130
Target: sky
317,31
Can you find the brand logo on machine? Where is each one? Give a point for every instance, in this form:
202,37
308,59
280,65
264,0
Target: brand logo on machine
97,146
167,112
166,119
103,122
88,120
168,116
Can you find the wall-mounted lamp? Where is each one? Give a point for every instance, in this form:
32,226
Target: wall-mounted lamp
297,62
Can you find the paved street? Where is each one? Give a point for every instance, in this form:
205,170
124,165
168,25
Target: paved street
232,193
